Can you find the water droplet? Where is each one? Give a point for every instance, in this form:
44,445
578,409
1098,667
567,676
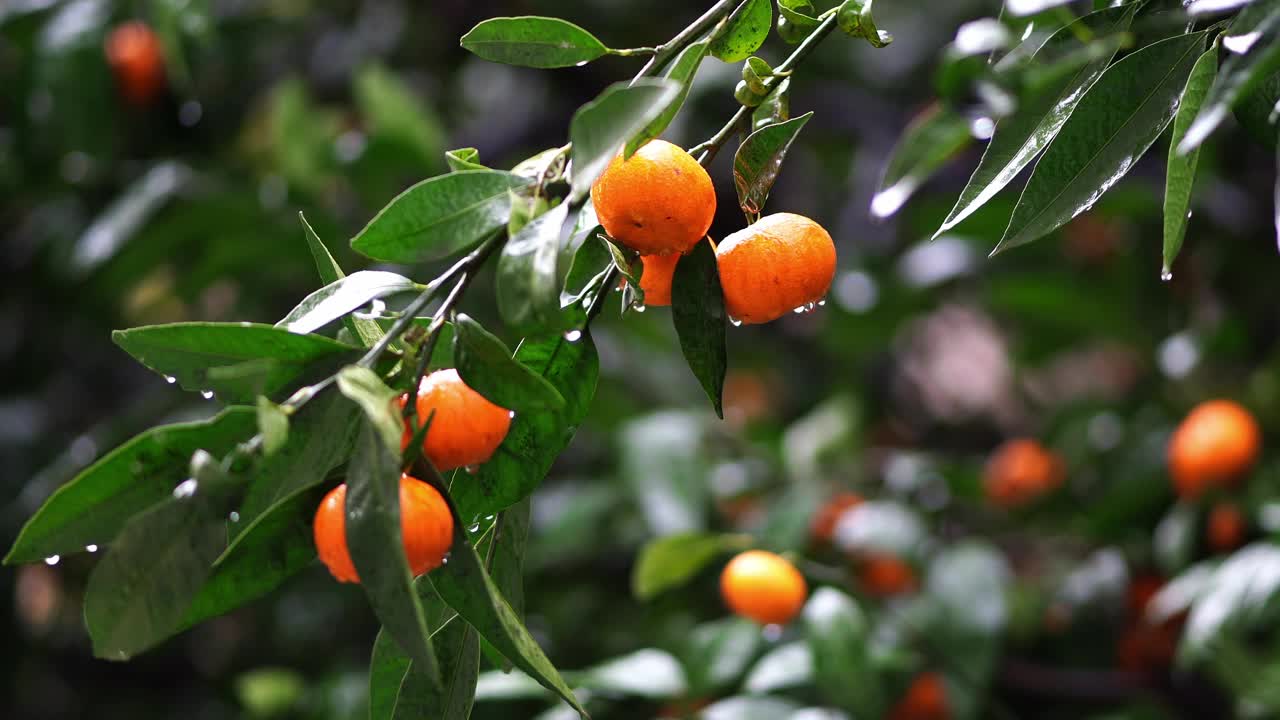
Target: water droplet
735,321
472,469
475,528
1166,274
488,518
170,379
445,560
511,414
52,559
186,488
91,548
234,516
801,310
573,335
206,394
822,302
639,307
771,633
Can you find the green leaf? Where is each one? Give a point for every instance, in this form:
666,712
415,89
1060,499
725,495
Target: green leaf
839,637
273,426
674,560
330,272
467,158
139,593
397,690
664,464
321,437
487,366
127,215
759,159
746,31
1041,114
1180,175
528,284
1020,8
697,309
681,70
719,652
799,15
535,439
387,668
366,389
928,142
603,126
971,581
189,351
511,540
1253,55
1238,597
590,263
392,111
743,707
277,547
439,216
646,673
339,298
881,527
269,692
786,666
94,507
1255,110
1176,537
465,585
1114,124
530,41
854,18
377,550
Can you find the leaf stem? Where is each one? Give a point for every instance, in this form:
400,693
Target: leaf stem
634,52
709,147
669,49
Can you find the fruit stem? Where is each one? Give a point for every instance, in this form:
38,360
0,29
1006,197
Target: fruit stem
709,147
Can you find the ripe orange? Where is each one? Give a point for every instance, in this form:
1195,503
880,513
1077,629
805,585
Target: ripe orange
658,201
823,524
134,54
1216,443
763,587
426,526
655,281
465,429
780,263
1019,472
886,575
925,699
1226,527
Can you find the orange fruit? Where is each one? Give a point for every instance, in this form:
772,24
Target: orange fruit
925,699
1019,472
134,54
886,575
763,587
1215,444
658,201
1226,527
823,524
426,527
780,263
465,429
655,281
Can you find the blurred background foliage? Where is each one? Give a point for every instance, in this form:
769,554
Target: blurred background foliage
926,356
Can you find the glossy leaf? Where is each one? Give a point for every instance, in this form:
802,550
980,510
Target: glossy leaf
535,439
855,18
530,41
467,158
506,559
745,707
528,283
273,426
697,309
397,690
838,634
1240,595
1118,119
759,160
719,652
1180,174
465,585
341,297
663,463
487,366
1256,109
603,126
799,14
374,540
590,262
439,216
746,32
330,272
188,351
321,437
928,142
139,592
1019,8
127,215
1019,138
671,561
1253,54
94,507
1174,542
786,666
971,581
646,673
682,71
392,111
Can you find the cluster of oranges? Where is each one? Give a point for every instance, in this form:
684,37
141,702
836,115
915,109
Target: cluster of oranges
465,430
1209,454
660,203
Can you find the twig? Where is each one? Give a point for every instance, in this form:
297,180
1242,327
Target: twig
672,47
